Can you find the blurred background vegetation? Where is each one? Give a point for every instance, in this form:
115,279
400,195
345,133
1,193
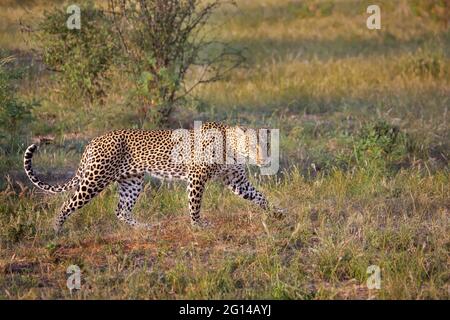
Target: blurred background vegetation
310,68
363,119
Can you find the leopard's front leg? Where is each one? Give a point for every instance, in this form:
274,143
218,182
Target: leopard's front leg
196,186
236,180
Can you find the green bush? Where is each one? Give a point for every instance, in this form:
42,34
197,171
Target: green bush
15,114
155,42
379,146
81,57
163,41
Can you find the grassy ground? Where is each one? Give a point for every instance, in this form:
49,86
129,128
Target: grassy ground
319,75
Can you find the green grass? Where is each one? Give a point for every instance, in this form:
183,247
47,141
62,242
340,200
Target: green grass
337,226
314,71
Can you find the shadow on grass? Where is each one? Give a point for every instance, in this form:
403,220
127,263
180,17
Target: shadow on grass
258,50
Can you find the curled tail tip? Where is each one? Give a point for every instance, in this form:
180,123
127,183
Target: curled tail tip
28,155
33,147
30,150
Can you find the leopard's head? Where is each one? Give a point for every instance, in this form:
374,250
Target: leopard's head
252,145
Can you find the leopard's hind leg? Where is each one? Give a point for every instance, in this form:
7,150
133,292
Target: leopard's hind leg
85,192
129,190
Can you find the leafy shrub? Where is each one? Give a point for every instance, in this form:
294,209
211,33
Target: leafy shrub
155,42
163,41
81,57
379,146
15,114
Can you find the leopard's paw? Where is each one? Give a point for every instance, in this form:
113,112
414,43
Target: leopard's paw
201,223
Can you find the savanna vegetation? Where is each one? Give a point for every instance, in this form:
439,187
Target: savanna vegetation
364,146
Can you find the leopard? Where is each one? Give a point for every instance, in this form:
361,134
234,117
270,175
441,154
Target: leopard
125,156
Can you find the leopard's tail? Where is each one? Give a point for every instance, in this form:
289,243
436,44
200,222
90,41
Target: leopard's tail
72,183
